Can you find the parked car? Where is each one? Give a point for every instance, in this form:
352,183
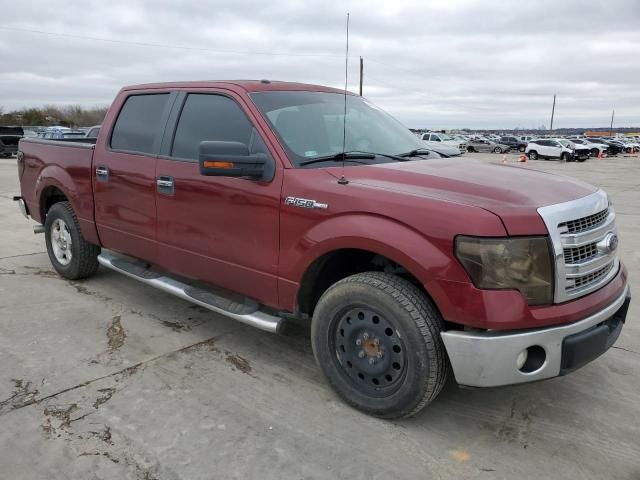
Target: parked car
9,138
445,139
514,143
442,149
549,148
93,132
594,146
579,152
486,145
239,197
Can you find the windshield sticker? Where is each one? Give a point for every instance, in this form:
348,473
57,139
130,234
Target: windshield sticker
311,153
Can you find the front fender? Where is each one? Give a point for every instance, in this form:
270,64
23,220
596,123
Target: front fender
426,258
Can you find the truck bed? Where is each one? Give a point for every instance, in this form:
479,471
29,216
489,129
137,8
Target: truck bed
65,163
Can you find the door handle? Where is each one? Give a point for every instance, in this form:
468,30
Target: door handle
102,173
165,185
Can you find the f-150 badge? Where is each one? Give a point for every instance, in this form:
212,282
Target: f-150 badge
304,203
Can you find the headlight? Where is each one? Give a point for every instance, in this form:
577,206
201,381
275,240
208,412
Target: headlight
521,263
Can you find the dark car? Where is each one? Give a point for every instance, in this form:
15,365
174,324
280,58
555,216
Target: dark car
514,142
9,138
614,147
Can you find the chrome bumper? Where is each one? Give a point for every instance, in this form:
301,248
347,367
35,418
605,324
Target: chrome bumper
489,359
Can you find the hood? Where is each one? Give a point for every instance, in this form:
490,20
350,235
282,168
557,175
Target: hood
511,191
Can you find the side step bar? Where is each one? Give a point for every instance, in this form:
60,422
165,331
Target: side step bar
245,311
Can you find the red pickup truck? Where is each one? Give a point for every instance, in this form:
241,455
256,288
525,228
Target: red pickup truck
271,202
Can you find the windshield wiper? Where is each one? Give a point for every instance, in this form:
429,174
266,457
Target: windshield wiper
351,156
421,151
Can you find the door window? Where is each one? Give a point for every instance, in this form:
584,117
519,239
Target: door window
207,117
138,123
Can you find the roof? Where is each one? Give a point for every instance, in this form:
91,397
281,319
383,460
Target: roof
249,86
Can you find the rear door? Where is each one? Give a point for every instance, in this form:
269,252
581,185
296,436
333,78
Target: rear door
220,230
124,175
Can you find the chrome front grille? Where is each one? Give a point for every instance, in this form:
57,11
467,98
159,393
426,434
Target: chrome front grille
580,254
585,223
584,238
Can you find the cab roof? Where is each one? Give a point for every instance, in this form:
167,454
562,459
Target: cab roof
248,86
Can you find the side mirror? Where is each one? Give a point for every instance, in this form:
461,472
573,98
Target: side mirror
233,159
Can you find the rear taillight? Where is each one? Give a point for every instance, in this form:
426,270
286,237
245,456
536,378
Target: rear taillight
20,164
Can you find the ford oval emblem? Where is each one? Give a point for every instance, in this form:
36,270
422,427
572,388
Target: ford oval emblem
612,242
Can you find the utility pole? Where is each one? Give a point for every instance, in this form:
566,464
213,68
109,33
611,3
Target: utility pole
553,111
361,73
611,128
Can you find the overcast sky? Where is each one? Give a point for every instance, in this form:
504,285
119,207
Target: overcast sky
439,64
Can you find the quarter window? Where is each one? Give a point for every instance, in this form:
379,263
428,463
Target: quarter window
207,117
139,122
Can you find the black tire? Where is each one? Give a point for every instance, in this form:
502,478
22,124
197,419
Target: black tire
522,148
533,155
565,157
406,366
470,149
497,150
84,255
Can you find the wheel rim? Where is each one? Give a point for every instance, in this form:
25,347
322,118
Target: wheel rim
369,351
61,242
498,150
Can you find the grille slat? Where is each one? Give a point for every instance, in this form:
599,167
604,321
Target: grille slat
585,223
590,278
580,254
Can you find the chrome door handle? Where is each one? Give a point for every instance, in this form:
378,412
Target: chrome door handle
165,185
102,174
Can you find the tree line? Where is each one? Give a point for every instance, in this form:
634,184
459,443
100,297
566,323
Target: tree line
65,115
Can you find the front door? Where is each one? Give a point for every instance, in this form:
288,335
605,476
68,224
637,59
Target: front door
124,175
219,230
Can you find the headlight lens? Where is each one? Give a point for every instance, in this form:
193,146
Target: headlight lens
521,263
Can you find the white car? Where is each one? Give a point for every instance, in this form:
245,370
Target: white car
595,147
548,148
445,140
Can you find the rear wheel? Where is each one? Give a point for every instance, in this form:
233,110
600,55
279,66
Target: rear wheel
470,149
70,254
522,148
377,340
533,155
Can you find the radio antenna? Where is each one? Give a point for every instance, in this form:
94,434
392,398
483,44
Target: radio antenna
343,180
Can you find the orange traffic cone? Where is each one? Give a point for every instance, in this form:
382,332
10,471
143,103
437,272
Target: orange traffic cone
600,155
523,158
504,159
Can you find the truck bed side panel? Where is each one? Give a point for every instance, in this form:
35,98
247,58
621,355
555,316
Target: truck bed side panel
65,166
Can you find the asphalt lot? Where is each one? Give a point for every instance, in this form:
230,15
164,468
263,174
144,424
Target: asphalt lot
109,379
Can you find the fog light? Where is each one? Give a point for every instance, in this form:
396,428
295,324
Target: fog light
522,357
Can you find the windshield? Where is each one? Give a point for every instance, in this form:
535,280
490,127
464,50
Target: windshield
310,125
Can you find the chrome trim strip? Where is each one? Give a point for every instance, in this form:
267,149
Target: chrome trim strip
258,319
488,359
585,268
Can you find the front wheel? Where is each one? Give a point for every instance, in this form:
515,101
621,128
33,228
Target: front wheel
377,340
565,157
70,254
497,150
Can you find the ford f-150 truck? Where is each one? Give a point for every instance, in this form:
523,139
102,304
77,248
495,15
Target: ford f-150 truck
264,202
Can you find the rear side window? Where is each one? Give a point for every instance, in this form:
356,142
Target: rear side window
207,117
139,122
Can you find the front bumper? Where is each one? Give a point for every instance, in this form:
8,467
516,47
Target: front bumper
490,358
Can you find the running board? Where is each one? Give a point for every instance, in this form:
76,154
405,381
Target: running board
244,310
